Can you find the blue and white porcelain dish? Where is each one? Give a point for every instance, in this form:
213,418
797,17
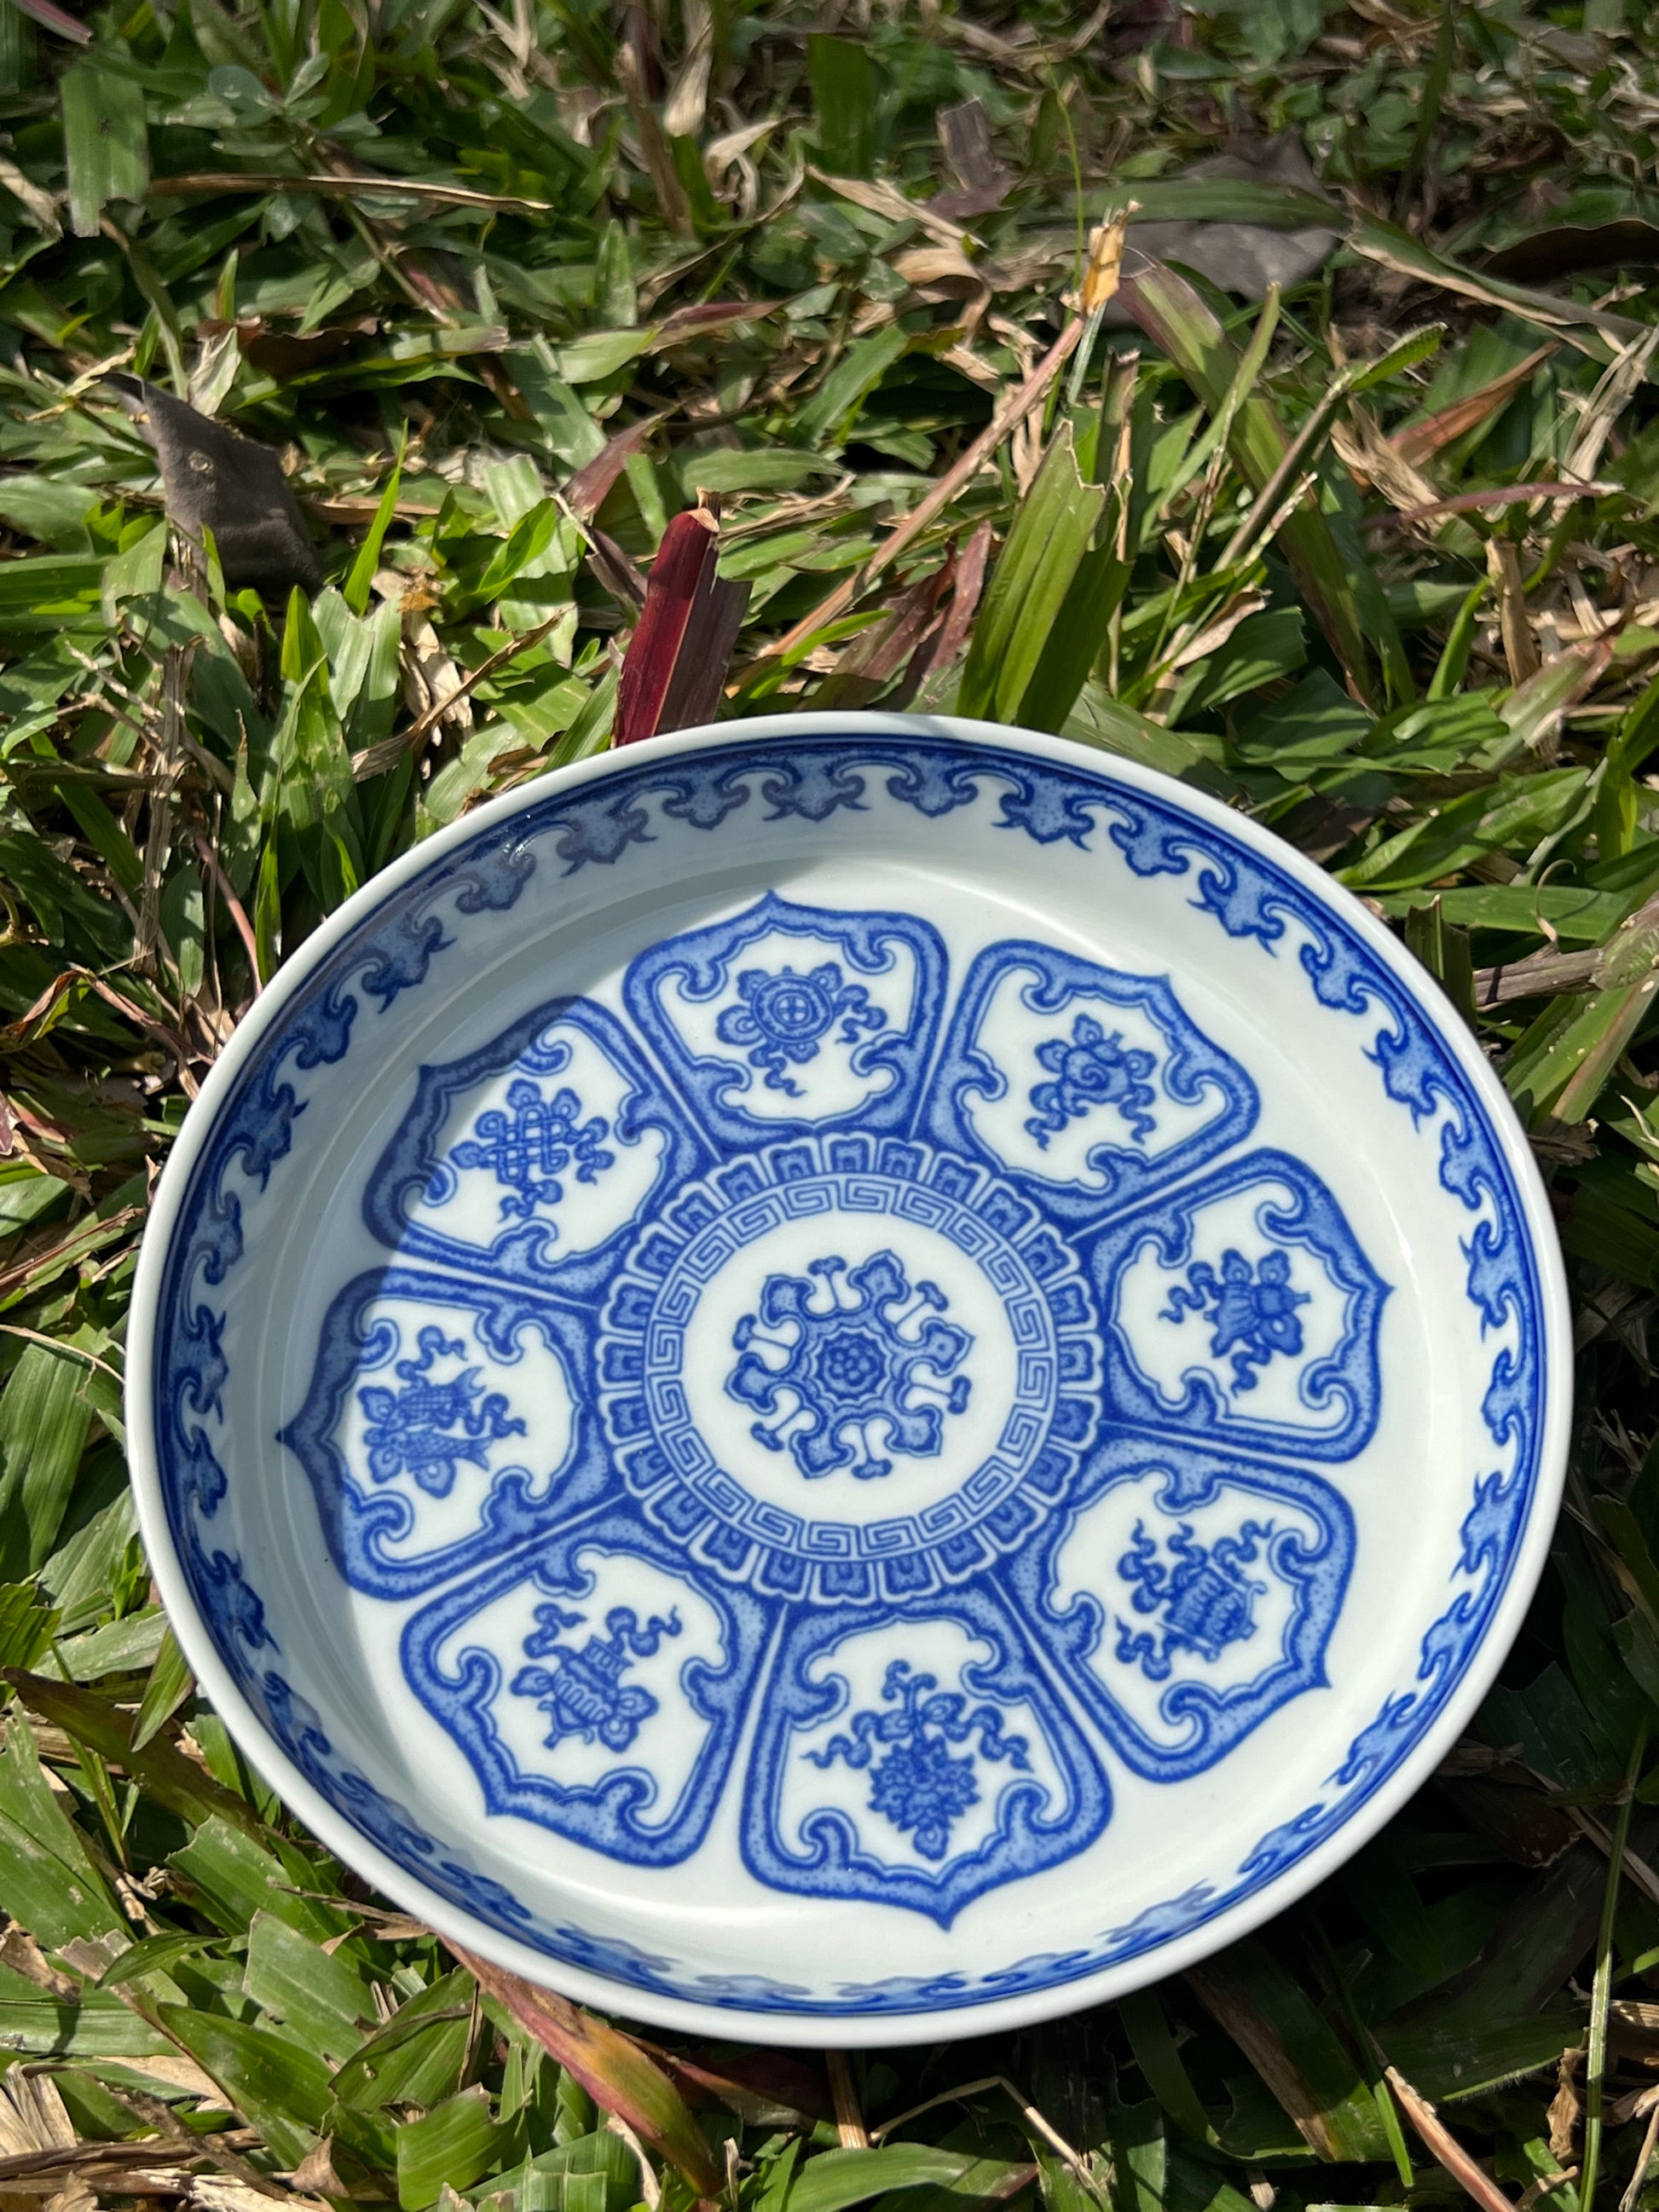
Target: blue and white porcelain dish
848,1379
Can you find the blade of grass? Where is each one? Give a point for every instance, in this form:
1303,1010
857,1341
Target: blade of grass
1596,2058
1173,316
612,2069
1028,588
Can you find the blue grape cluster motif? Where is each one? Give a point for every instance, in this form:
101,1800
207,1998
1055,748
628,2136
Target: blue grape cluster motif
919,1783
785,1018
427,1429
1205,1597
850,1373
581,1690
528,1148
1253,1309
1091,1067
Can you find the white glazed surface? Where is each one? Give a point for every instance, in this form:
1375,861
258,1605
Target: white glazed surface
1120,1841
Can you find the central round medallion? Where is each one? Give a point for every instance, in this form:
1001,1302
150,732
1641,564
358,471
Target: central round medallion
849,1368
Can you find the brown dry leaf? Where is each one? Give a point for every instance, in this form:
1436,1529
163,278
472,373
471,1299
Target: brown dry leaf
172,2071
1566,2109
20,1951
1246,258
879,197
1101,278
216,480
228,2193
964,136
314,2174
1372,459
940,266
1258,2038
1443,2145
33,2116
1520,646
1420,442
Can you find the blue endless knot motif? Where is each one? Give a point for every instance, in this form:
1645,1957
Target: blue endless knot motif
785,1018
919,1783
525,1149
427,1429
1092,1067
852,1370
581,1691
1253,1309
1206,1599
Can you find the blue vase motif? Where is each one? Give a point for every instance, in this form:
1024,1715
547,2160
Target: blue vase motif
876,1399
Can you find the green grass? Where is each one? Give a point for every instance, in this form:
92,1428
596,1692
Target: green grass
1220,567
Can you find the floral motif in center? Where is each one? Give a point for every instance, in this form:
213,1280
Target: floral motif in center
848,1369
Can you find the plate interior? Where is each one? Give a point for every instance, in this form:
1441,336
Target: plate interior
850,1377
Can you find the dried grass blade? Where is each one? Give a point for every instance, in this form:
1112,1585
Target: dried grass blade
1420,442
1011,412
1443,2146
610,2066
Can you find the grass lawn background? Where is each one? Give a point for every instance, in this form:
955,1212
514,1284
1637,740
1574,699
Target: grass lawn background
1366,546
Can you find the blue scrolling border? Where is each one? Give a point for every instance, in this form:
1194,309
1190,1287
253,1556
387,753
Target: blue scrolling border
809,778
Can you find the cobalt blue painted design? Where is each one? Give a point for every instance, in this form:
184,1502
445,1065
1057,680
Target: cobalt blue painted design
1251,1307
916,1759
582,1692
1230,1576
845,1368
517,1470
1201,1596
820,1532
427,1428
1136,1301
1091,1068
520,1168
524,1146
641,1778
1242,1309
918,1782
784,1018
1093,1084
760,1043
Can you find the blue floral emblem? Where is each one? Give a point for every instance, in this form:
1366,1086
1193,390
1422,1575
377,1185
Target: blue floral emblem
854,1368
1092,1067
785,1018
918,1783
427,1429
